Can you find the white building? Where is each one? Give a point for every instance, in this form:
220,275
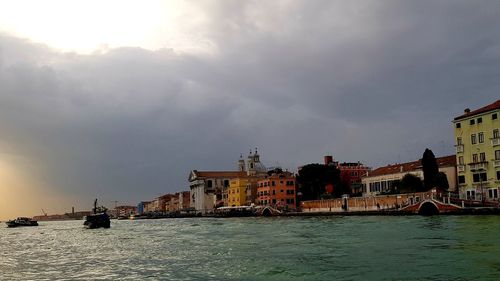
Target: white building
383,178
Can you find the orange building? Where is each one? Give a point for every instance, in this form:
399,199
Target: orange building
278,190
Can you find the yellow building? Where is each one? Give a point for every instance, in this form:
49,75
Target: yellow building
237,193
477,142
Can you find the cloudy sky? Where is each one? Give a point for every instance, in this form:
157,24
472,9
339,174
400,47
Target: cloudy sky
119,100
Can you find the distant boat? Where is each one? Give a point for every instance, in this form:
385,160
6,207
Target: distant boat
98,219
21,221
138,217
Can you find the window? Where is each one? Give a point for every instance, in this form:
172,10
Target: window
281,190
273,183
480,136
480,120
459,141
493,193
226,183
471,194
482,157
209,183
473,138
472,121
496,134
274,201
497,154
494,116
479,177
274,192
461,179
498,175
474,158
458,125
460,160
384,185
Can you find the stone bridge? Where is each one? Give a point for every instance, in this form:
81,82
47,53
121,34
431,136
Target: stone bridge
430,207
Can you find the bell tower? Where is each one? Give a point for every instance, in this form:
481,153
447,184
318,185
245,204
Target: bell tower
241,164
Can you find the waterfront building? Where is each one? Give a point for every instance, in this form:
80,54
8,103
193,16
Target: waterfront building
164,202
206,188
278,190
210,189
125,211
237,192
140,207
174,202
350,174
152,206
477,143
184,200
383,179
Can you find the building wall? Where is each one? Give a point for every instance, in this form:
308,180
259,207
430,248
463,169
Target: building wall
201,201
371,203
276,190
251,190
237,191
465,150
184,200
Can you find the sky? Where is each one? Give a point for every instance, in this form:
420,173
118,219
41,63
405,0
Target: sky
120,100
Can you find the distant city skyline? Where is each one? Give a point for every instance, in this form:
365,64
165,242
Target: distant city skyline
121,100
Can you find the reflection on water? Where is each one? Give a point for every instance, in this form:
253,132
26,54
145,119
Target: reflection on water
314,248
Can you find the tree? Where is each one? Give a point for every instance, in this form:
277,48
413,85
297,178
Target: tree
441,181
313,178
430,169
410,183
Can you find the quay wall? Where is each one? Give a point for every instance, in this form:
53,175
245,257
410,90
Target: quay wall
369,203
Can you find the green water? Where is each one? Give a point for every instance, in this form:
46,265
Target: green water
316,248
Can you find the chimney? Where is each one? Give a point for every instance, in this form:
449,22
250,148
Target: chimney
328,160
467,111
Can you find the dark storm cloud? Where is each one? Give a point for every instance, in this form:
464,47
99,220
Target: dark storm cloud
362,80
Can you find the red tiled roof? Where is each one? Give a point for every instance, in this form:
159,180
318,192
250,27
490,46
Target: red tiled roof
445,161
220,174
493,106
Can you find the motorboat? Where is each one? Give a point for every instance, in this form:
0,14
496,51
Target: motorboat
98,219
21,221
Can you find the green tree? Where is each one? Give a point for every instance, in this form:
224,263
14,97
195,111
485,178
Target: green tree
430,169
313,178
441,181
410,183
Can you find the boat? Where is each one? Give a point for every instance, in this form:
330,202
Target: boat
98,219
21,221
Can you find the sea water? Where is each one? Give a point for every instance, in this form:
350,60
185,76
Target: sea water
287,248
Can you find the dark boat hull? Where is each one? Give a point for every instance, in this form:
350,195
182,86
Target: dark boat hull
97,221
18,224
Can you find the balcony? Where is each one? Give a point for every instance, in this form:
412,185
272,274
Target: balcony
460,148
461,168
478,166
495,141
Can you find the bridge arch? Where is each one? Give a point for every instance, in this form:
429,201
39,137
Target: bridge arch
428,208
267,212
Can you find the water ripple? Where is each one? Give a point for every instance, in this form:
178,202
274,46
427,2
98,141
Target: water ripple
316,248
